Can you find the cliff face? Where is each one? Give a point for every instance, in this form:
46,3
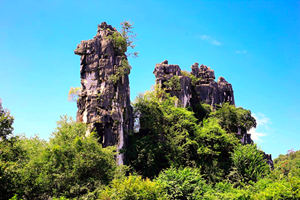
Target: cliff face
175,83
104,101
192,88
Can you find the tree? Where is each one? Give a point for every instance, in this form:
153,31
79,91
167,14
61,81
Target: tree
232,118
6,121
69,165
248,164
127,33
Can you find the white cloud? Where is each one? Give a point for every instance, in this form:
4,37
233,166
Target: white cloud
261,127
210,39
241,51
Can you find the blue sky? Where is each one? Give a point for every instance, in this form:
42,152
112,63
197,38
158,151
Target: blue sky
255,45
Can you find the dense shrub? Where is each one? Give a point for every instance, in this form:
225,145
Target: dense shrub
132,188
184,184
232,118
248,164
173,83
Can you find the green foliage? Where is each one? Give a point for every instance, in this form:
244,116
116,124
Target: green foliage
215,147
119,42
66,165
170,136
277,189
6,121
165,135
185,73
248,164
225,190
194,79
15,154
69,165
121,71
289,164
132,188
184,184
232,118
124,39
201,110
173,83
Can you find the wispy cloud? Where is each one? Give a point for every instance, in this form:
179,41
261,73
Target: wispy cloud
261,128
210,40
241,51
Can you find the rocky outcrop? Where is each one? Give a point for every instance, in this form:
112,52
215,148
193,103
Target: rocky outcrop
175,83
268,158
195,87
199,86
207,90
104,100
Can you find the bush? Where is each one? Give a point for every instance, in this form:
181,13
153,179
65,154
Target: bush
248,164
184,184
119,42
226,191
277,189
123,69
173,84
132,188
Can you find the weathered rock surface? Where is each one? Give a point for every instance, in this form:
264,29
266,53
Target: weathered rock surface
195,87
181,87
207,90
104,101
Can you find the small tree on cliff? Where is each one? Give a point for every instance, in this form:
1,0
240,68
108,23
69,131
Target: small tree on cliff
128,34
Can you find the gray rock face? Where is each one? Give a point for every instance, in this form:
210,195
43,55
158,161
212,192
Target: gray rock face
104,100
171,78
195,87
207,90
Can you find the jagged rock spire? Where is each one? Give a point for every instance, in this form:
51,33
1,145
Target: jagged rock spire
104,101
203,88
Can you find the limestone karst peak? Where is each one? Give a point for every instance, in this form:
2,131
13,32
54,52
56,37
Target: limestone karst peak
104,101
202,89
